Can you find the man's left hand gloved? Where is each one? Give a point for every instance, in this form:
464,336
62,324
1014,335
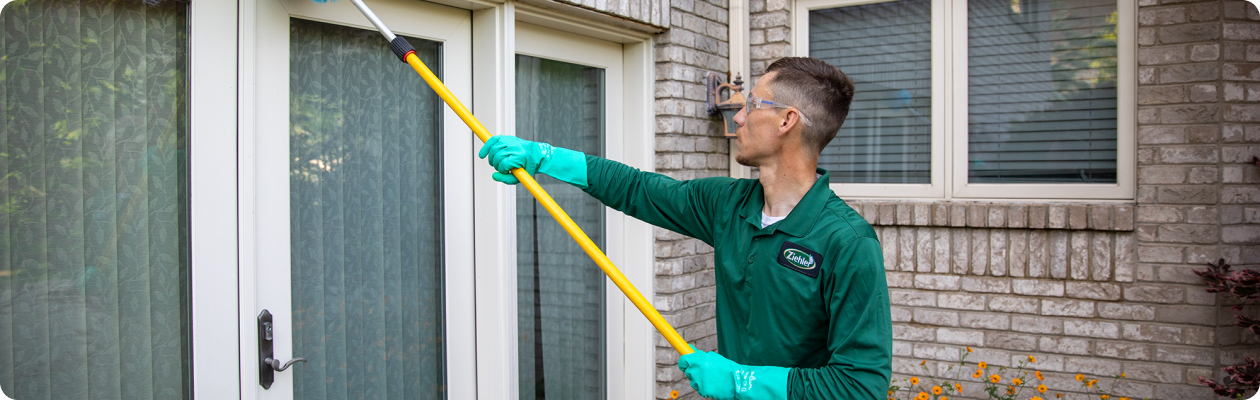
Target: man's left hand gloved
717,377
508,152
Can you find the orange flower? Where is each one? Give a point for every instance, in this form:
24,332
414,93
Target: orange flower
1091,383
1010,390
890,393
944,398
1105,397
936,390
977,374
914,380
983,365
922,362
673,394
1124,398
1035,398
1032,359
1017,381
1058,395
1041,388
1122,375
1080,377
995,378
923,396
1039,377
968,349
958,387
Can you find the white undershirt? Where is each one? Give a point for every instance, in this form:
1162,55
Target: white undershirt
767,220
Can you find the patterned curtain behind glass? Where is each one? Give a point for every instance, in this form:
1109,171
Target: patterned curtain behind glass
366,225
560,292
93,216
886,48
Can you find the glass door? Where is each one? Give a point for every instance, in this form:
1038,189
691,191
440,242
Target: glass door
569,327
362,215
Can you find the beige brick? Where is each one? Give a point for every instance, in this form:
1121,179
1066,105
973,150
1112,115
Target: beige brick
923,214
961,301
1058,244
913,298
1100,257
1030,324
901,314
1100,217
899,279
938,318
1064,345
1037,216
937,352
997,253
1124,257
1079,257
986,284
1014,304
976,214
1095,329
1153,333
1125,350
1184,355
958,215
888,243
961,248
1197,315
985,321
1093,366
979,251
1123,220
1155,294
940,214
960,336
1011,341
940,250
1018,262
1078,216
1200,336
1165,373
1057,217
913,333
1038,287
905,246
1093,290
1068,308
936,282
1126,311
923,249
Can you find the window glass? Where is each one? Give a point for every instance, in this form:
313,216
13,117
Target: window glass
93,200
366,218
560,291
1041,91
886,48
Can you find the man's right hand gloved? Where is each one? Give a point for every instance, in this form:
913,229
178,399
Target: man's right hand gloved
508,152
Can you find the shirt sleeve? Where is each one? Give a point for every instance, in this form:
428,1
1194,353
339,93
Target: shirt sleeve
686,207
859,333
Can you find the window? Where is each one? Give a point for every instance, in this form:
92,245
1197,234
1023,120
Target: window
979,99
94,228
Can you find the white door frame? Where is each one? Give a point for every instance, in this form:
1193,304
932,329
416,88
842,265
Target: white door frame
264,280
498,38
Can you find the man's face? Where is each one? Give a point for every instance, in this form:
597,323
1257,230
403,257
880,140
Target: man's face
757,135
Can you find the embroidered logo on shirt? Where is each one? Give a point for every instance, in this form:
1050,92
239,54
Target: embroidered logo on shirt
800,259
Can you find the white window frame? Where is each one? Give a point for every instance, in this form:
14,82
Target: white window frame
495,35
950,119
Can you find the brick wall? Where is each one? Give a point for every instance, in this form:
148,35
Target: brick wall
689,145
1094,288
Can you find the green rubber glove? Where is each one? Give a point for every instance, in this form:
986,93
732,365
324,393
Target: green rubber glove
717,377
508,152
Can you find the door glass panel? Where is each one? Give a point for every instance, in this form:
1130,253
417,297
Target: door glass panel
93,200
886,48
366,227
560,291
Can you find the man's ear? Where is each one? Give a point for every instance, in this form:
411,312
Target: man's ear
790,120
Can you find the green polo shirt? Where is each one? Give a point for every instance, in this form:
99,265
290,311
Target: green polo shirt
808,292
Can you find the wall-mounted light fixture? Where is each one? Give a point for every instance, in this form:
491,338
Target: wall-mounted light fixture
731,106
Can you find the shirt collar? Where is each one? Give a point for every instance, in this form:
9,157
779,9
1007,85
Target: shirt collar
803,216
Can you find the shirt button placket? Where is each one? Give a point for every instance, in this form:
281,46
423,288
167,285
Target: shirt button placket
750,259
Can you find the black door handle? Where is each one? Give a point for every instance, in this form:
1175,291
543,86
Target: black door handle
268,366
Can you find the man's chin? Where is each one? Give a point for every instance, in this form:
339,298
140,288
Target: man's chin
741,160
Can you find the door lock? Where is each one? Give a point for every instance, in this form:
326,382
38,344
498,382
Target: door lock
268,366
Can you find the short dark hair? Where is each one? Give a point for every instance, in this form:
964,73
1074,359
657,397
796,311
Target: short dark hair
822,92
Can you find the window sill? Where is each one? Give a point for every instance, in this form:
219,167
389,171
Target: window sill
939,213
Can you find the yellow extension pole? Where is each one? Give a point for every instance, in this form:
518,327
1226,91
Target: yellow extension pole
572,228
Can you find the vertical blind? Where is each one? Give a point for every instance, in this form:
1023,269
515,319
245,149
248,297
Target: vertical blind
886,48
93,200
560,291
366,226
1041,91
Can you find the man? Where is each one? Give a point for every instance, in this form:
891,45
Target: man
802,301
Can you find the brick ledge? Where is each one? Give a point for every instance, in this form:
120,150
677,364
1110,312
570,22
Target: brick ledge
1069,216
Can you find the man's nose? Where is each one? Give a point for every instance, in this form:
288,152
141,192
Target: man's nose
740,117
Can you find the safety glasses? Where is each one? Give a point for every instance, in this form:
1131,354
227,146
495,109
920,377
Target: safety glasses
755,102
